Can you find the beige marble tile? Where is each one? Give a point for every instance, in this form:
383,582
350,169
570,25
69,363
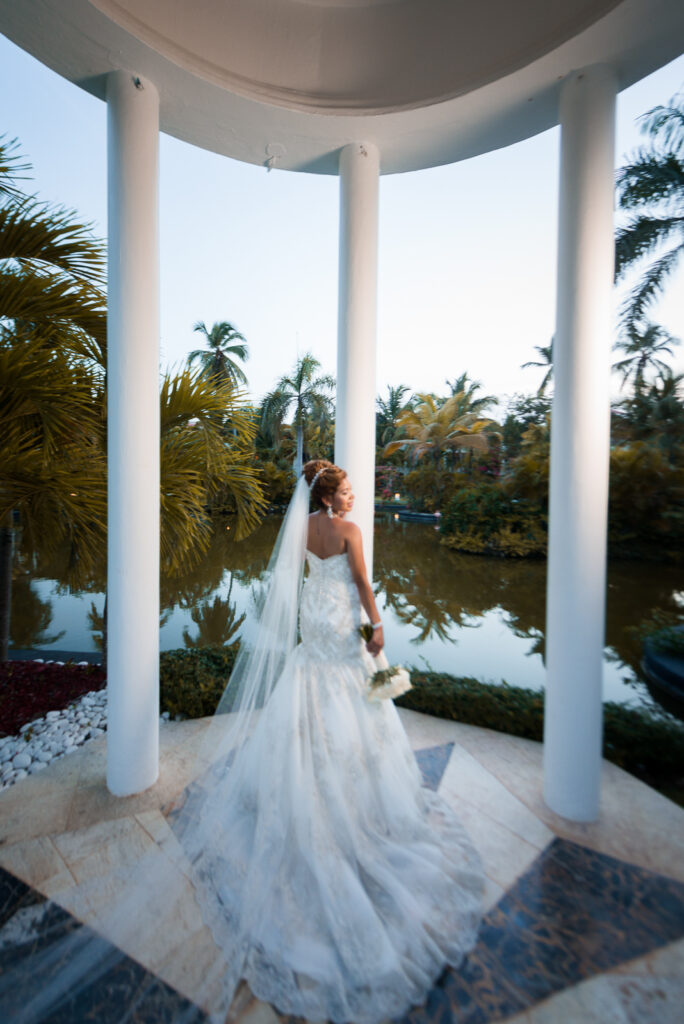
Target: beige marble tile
504,854
258,1013
97,850
38,863
467,778
668,961
592,1002
426,730
158,828
492,894
28,810
162,915
195,967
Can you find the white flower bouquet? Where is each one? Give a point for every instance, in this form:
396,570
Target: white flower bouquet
388,681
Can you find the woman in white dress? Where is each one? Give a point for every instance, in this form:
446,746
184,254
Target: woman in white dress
334,883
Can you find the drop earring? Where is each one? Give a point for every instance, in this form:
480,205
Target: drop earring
330,514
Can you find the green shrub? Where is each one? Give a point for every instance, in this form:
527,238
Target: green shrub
191,681
483,519
650,747
429,489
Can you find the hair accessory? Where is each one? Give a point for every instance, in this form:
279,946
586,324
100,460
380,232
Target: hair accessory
316,478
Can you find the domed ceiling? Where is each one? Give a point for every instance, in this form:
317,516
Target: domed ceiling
289,82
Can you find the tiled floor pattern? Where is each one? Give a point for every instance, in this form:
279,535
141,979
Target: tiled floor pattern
584,923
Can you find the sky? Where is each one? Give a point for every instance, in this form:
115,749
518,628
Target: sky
467,252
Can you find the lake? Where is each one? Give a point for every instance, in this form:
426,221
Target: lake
464,614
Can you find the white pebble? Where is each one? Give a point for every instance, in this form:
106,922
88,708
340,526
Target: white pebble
44,756
21,761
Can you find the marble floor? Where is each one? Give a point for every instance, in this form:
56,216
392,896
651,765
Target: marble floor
584,923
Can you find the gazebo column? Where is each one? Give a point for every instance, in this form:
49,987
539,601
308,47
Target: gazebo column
133,435
580,447
357,330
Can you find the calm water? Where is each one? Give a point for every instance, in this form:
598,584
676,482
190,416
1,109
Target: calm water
464,614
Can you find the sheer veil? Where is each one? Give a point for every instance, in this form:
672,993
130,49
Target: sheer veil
161,889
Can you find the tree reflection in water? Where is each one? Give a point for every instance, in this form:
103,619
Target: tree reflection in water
433,592
31,617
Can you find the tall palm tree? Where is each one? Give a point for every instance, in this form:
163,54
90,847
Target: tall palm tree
653,182
545,362
466,388
435,430
52,351
388,413
53,480
226,344
643,348
306,394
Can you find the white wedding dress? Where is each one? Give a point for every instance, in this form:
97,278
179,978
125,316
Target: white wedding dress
335,884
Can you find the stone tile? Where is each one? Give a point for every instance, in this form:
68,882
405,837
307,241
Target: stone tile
505,855
428,731
195,967
492,894
650,999
28,810
467,779
158,828
668,961
97,850
593,1002
432,762
38,863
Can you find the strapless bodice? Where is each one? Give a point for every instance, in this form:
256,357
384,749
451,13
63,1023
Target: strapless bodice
330,610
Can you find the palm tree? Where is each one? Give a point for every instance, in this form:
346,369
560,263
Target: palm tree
435,430
545,361
218,622
52,349
465,389
225,342
652,182
306,393
388,413
53,480
643,348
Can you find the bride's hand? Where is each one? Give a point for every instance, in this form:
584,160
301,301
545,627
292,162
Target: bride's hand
375,645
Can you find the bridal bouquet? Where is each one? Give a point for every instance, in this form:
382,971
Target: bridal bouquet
388,681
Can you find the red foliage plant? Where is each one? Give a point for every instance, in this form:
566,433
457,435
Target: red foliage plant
29,689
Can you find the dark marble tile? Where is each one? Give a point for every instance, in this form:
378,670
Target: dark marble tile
55,970
574,914
432,762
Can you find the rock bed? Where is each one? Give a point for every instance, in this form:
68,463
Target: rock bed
53,735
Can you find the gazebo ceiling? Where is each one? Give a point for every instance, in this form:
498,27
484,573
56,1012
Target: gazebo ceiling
428,81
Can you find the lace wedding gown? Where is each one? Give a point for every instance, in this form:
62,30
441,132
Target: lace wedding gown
342,886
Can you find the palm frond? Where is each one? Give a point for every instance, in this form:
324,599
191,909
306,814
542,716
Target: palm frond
37,232
642,236
635,306
11,169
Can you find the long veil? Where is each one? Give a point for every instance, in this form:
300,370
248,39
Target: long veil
164,887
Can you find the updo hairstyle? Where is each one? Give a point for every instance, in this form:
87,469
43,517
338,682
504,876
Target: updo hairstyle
327,483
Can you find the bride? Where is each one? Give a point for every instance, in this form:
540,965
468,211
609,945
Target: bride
333,882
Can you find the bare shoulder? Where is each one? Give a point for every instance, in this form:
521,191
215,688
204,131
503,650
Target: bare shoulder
350,531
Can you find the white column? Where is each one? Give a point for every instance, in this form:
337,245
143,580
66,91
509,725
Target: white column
580,444
357,329
133,434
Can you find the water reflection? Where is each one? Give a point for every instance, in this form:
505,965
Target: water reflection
482,617
31,617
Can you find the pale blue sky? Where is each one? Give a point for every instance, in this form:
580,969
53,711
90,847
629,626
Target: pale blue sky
467,252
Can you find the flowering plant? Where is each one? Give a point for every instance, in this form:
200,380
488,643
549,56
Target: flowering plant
388,681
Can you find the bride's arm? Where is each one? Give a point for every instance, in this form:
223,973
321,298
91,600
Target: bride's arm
360,577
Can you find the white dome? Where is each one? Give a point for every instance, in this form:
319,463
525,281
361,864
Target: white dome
428,81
